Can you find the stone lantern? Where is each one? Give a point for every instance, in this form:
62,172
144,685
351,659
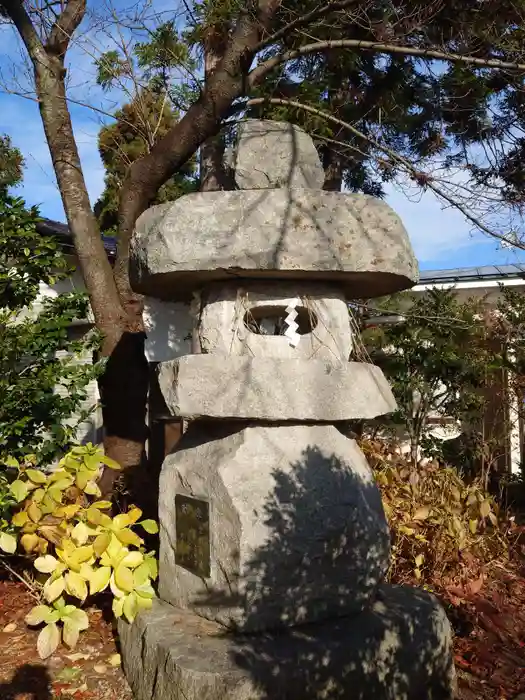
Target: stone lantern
273,540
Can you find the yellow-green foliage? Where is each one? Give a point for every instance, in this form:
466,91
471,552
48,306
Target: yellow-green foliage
78,549
439,524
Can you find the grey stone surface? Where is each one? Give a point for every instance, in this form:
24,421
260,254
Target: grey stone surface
271,389
399,649
228,307
272,154
298,531
354,241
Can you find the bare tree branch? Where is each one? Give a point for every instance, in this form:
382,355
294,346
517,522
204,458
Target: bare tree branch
421,178
260,72
302,20
16,11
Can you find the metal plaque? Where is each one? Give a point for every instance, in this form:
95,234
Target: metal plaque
192,523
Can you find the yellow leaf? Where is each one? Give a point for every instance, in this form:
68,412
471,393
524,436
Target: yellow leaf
417,574
109,462
46,565
20,519
473,526
80,533
120,521
76,586
117,606
406,530
99,580
124,578
114,588
130,607
419,560
37,615
484,508
79,556
38,495
141,575
114,660
144,603
34,512
93,515
128,537
153,567
101,543
53,589
92,489
36,476
80,618
68,511
421,513
133,559
101,505
19,490
82,478
7,543
48,640
29,542
134,514
70,633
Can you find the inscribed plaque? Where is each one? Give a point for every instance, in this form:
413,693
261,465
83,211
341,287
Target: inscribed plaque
192,523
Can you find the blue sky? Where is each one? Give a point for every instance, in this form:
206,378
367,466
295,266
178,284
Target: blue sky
441,237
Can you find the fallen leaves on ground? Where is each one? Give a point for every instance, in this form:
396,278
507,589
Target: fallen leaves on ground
65,675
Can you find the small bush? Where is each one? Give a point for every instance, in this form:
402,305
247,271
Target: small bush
77,549
441,527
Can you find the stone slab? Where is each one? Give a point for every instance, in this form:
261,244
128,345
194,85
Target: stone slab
354,241
270,389
270,154
229,308
293,510
399,649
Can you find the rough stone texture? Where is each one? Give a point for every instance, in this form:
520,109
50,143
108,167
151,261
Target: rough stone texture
399,649
228,308
298,531
352,240
272,154
271,389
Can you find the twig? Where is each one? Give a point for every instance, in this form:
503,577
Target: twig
414,172
20,578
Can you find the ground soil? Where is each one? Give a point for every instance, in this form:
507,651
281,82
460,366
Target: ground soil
488,618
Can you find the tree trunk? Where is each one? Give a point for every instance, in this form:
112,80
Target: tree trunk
124,383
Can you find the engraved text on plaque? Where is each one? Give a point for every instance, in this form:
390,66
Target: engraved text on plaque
192,522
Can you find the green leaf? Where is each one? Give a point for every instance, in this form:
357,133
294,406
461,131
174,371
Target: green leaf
19,490
37,615
130,607
150,526
7,543
48,640
110,462
11,462
80,618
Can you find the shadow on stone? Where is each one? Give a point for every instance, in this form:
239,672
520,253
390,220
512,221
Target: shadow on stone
397,648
